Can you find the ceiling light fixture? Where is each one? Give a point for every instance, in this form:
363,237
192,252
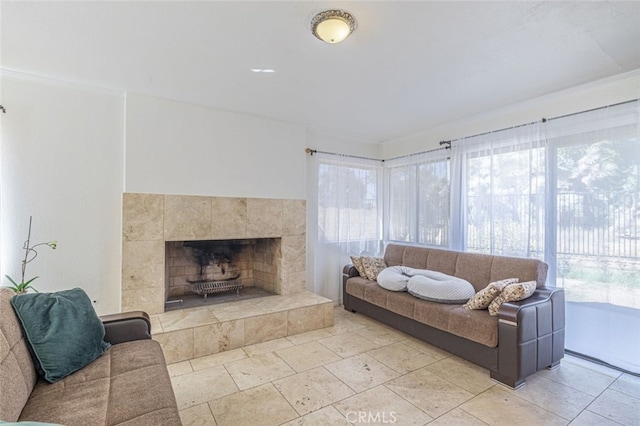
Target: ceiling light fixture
267,70
333,26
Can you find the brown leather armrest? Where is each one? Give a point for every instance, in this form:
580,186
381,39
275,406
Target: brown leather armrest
126,327
508,312
350,271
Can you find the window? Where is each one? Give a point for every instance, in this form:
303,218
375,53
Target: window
504,200
348,208
419,200
345,201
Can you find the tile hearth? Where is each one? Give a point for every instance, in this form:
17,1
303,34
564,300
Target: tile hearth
196,332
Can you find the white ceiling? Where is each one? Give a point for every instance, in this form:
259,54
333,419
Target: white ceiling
408,67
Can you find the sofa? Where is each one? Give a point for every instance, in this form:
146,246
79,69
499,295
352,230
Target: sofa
524,337
128,385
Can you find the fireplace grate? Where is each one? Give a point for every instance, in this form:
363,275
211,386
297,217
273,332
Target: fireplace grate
205,288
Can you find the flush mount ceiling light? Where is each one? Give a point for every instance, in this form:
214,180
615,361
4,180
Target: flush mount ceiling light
333,26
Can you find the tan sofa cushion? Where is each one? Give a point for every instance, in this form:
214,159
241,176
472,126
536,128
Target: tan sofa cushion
525,269
375,294
433,314
401,303
475,268
474,325
17,373
356,285
129,384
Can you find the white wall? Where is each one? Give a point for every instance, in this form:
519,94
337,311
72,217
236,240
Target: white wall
61,155
178,148
599,93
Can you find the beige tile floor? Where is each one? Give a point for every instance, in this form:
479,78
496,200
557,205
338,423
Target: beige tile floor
362,372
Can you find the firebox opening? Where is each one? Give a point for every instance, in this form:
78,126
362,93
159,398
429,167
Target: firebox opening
213,271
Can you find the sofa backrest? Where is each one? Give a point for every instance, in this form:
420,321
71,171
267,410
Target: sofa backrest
17,373
478,269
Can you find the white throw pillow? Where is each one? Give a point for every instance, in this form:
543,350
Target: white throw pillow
394,278
438,287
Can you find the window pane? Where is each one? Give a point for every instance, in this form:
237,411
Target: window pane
402,211
598,229
505,202
433,196
347,203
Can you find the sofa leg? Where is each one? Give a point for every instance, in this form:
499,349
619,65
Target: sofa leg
507,381
554,365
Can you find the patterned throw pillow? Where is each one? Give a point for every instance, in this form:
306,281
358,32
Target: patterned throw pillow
357,262
483,298
512,293
373,266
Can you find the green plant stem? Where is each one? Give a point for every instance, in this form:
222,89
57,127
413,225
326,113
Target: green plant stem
27,249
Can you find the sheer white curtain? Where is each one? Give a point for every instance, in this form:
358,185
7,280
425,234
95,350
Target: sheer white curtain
566,191
498,189
595,184
347,193
417,189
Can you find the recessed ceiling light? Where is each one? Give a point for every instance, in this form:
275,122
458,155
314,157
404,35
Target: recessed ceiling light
263,70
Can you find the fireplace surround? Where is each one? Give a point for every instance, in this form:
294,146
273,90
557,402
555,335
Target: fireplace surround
151,221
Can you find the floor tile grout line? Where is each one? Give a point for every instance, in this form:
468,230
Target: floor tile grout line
575,388
601,393
287,401
475,417
622,391
405,399
495,385
213,416
593,399
535,404
600,415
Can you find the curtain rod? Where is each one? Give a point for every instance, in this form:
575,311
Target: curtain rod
314,151
544,120
501,130
595,109
448,143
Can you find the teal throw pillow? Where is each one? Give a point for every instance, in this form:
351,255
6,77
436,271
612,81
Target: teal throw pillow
63,330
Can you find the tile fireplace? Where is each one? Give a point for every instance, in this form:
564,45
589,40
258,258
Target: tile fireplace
156,227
